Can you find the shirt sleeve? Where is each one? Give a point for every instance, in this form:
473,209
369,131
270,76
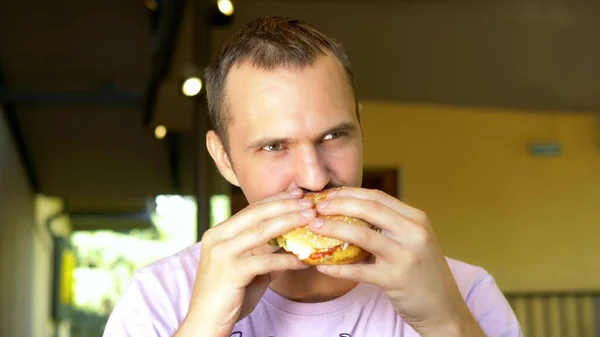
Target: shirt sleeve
491,310
143,310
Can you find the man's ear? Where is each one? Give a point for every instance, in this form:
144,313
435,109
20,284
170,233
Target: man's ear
219,155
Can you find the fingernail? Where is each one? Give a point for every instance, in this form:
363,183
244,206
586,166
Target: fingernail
316,223
329,269
308,213
305,202
296,192
323,204
323,268
332,193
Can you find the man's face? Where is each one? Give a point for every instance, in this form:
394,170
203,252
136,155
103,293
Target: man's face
292,128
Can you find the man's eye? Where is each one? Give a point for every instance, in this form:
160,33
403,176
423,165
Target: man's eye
273,147
333,135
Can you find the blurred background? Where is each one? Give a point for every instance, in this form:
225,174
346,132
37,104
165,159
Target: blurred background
485,114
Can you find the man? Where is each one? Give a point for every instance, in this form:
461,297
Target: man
286,121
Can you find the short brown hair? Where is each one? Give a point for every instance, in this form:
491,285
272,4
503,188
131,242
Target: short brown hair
267,43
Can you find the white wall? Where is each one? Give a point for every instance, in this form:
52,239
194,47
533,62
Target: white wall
45,208
24,251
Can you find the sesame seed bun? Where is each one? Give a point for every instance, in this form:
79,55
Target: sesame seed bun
314,249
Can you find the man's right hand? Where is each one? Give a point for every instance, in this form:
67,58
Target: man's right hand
237,264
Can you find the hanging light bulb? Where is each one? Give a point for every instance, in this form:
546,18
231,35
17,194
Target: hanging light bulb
225,7
191,86
160,132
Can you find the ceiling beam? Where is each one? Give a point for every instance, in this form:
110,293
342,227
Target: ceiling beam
165,35
97,98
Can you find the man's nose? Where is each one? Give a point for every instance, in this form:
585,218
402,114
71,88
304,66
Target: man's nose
312,173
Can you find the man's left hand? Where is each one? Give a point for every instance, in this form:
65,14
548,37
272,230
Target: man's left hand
408,260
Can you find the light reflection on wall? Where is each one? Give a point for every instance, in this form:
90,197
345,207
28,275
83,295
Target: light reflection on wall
106,260
220,209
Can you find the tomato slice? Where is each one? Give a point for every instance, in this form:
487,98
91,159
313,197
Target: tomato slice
323,253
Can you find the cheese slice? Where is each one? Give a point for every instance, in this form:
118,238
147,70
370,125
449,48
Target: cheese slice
303,252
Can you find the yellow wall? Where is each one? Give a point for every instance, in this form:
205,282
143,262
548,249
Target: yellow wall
534,223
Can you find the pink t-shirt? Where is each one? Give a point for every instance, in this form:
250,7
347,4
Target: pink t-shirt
157,300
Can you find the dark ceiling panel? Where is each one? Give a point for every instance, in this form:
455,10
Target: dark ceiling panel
74,44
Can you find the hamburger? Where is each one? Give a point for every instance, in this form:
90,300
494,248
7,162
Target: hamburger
314,249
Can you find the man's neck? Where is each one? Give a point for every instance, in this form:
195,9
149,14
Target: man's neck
310,286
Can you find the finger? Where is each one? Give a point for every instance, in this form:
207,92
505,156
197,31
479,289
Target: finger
377,195
265,249
292,194
370,211
269,208
268,263
366,238
254,214
363,273
263,232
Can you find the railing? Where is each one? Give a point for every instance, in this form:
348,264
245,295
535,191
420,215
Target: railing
557,314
